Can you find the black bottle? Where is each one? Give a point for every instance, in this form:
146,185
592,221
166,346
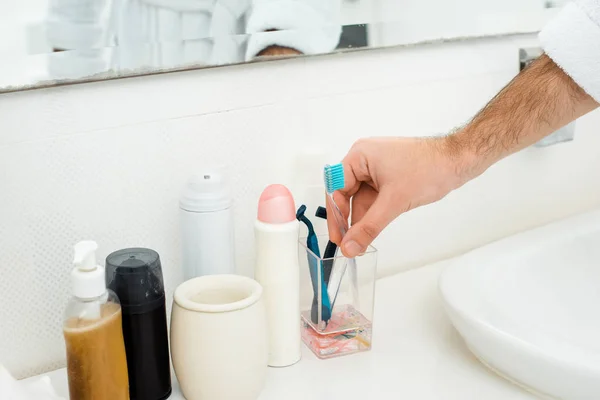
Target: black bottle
135,275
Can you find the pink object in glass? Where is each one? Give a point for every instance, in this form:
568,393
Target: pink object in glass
276,205
347,332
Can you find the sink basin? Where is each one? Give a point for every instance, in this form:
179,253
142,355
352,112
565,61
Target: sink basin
528,307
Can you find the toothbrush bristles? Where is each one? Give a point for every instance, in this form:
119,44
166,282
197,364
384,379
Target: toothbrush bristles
334,177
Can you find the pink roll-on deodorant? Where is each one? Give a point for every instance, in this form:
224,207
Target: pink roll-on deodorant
277,270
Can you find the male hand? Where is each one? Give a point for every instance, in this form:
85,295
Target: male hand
386,177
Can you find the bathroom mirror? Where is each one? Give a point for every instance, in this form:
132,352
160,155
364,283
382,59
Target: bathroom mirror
49,42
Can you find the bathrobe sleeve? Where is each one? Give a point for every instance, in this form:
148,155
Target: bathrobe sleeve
78,24
572,40
81,25
309,26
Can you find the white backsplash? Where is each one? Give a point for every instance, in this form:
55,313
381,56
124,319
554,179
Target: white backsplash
106,161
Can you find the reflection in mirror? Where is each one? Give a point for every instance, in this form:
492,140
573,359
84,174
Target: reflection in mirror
54,41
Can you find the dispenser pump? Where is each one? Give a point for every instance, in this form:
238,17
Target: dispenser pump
87,277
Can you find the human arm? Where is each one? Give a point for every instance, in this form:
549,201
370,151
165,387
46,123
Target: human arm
78,24
386,177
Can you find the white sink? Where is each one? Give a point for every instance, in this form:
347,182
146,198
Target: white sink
529,307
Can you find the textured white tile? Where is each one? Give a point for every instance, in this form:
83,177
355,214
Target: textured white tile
46,113
95,186
429,108
412,65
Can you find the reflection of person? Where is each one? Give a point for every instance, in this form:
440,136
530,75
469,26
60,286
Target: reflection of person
282,27
387,177
172,33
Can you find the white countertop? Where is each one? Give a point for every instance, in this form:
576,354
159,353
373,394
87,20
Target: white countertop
416,355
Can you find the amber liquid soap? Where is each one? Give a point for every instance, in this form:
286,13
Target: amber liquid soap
96,359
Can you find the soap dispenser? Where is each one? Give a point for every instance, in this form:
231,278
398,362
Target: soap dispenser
96,360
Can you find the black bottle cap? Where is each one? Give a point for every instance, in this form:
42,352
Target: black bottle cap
321,212
135,275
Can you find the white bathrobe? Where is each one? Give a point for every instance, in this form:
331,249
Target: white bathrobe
572,40
174,33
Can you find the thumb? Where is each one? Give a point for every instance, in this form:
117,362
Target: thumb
362,233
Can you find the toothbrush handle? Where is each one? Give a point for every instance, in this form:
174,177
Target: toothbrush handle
353,274
339,217
352,268
335,282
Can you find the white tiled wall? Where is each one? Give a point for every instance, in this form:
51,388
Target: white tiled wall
106,161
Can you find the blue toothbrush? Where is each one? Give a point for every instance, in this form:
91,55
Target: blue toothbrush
334,180
317,278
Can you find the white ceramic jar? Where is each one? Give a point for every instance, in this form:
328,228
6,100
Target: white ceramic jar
219,338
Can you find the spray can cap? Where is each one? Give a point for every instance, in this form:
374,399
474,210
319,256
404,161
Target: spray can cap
87,277
206,192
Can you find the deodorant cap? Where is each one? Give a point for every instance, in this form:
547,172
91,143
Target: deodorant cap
135,275
276,205
207,192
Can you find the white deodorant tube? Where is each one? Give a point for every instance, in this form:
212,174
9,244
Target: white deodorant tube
207,238
277,270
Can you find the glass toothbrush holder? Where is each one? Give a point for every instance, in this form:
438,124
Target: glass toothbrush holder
345,289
